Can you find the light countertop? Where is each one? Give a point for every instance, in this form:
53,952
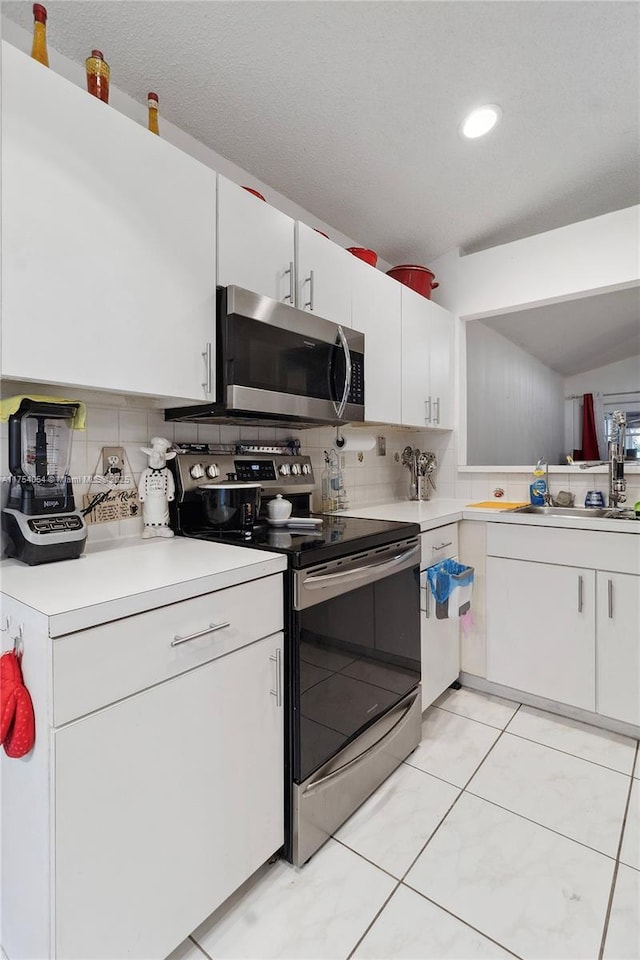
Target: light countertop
434,513
125,577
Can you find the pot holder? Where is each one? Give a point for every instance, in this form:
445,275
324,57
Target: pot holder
17,722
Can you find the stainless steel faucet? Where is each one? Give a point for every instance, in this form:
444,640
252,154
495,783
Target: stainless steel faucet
617,483
548,499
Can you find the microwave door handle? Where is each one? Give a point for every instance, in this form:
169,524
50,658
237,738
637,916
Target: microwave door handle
339,408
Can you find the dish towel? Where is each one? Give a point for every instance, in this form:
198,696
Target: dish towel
17,722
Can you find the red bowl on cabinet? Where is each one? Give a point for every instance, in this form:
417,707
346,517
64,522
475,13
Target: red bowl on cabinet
418,278
254,192
369,256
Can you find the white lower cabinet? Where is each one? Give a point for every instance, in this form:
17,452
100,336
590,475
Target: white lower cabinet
164,804
568,630
439,639
618,649
155,793
541,631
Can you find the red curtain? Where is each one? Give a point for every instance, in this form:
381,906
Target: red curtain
589,435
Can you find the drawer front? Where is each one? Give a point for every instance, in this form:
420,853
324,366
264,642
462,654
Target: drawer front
95,667
439,544
599,550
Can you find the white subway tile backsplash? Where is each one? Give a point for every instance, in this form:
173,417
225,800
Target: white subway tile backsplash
102,424
183,433
133,426
157,426
208,432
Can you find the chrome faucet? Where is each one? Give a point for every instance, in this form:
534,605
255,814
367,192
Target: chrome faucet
617,483
548,499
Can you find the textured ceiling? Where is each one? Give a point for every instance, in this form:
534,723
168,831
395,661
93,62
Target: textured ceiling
577,335
351,109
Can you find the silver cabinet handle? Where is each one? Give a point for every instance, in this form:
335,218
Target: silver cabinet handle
277,693
201,633
610,598
309,280
208,367
580,593
289,296
427,416
427,590
441,546
436,417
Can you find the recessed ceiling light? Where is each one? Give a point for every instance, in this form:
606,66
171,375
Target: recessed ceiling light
480,121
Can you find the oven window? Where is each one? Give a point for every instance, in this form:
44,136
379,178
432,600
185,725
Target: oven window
269,358
357,655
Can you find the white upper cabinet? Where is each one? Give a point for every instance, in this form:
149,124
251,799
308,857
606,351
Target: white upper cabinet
108,244
440,366
427,330
376,313
256,244
415,359
325,276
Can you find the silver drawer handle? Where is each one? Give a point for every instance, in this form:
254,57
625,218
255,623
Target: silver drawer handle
580,593
201,633
441,546
610,598
277,693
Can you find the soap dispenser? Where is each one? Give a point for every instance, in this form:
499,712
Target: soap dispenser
538,486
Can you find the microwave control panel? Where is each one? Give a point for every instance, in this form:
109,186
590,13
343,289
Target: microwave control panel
356,393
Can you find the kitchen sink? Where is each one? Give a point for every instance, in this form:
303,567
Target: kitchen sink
606,513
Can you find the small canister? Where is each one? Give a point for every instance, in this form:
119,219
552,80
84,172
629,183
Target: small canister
279,508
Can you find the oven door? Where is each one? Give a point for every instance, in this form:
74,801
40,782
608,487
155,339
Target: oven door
356,650
285,362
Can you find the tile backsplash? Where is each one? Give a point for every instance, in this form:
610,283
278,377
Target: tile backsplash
112,421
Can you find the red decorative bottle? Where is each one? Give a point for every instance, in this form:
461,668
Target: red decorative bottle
39,45
98,76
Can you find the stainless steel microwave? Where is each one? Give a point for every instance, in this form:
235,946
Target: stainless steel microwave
276,363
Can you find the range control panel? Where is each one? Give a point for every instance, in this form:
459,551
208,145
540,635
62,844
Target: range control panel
277,473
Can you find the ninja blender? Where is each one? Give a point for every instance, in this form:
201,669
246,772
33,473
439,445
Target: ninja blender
40,520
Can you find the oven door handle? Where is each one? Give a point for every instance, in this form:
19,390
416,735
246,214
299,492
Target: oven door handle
318,581
339,407
378,745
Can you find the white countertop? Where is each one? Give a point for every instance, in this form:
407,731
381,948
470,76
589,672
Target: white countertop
121,578
434,513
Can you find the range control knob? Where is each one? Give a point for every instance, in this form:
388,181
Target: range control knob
196,471
306,469
284,469
295,469
212,471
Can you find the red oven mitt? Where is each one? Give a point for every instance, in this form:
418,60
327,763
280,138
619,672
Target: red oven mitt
17,723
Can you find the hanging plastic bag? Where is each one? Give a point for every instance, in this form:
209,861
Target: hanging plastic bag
451,585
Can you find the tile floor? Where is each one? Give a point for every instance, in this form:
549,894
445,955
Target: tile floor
507,832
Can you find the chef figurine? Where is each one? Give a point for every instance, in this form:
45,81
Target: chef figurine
157,488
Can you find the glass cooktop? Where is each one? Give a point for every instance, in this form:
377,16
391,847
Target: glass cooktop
337,537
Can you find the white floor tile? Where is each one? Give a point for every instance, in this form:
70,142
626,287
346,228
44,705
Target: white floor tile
537,893
577,798
572,736
623,934
630,853
187,950
411,928
319,911
394,824
478,706
452,746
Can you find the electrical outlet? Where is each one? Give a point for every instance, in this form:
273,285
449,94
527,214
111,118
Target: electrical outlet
381,446
113,462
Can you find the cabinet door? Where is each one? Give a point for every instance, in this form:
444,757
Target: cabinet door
415,359
440,647
108,243
376,313
440,366
164,804
255,244
325,276
618,647
541,629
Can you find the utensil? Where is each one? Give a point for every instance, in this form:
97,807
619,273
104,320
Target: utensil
418,278
303,523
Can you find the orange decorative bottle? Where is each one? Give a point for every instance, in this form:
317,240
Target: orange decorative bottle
39,45
152,103
98,76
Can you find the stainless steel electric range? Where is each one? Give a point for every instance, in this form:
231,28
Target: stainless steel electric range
352,636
